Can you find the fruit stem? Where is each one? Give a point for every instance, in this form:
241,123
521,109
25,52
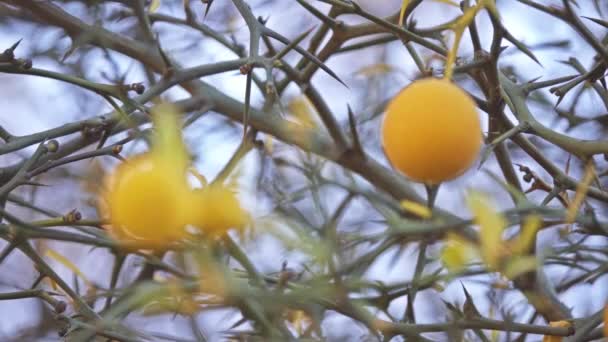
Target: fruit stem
431,194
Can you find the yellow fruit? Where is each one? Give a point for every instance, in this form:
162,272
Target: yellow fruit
216,209
147,199
147,202
431,131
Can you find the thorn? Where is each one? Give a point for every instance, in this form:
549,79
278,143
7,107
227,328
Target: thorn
353,128
303,52
293,44
468,308
208,2
534,79
14,46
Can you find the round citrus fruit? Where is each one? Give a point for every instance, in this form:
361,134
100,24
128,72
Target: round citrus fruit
431,131
216,209
147,202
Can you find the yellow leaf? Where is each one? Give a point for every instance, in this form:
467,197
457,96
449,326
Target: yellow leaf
448,2
581,192
518,265
303,111
459,26
402,11
527,236
457,252
154,6
67,263
377,69
558,324
53,284
417,209
491,224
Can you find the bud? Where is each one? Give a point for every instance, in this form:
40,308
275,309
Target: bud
52,146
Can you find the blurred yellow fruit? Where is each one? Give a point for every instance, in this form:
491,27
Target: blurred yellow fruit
145,204
431,131
149,201
147,198
216,209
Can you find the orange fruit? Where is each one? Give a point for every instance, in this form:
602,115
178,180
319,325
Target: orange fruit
147,202
148,199
216,209
431,131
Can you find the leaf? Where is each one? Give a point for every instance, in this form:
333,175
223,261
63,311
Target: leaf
402,11
67,263
491,225
457,252
448,2
527,236
377,69
154,6
581,193
519,265
459,26
417,209
53,284
303,111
